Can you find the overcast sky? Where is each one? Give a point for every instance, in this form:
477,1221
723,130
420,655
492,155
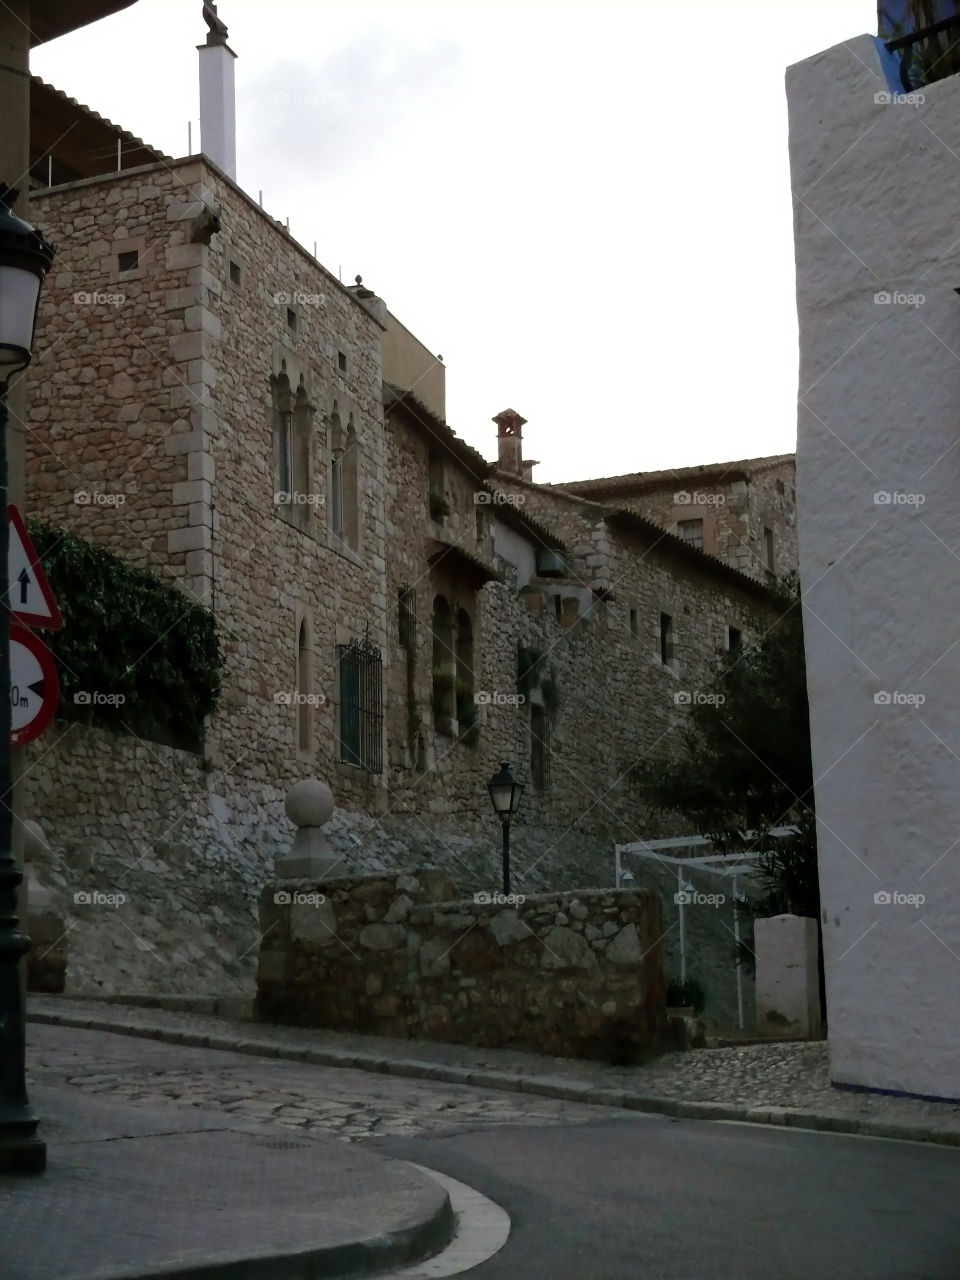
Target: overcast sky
583,206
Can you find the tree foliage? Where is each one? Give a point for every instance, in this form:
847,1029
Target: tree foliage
742,763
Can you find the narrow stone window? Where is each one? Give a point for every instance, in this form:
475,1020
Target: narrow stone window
666,638
336,473
350,489
691,531
444,668
282,443
436,498
465,704
291,320
300,464
304,709
342,361
235,274
734,639
558,606
768,551
539,748
128,261
634,626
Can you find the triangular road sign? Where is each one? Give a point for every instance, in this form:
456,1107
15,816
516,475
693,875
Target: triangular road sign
30,599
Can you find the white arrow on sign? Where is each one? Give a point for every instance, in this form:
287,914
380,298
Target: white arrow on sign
30,599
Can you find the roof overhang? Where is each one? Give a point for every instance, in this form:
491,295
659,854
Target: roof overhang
50,19
454,559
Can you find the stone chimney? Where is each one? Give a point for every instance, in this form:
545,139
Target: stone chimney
218,100
510,443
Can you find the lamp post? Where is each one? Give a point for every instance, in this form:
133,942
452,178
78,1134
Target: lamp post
505,793
25,258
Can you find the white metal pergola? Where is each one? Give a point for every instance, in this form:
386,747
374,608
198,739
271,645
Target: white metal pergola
729,866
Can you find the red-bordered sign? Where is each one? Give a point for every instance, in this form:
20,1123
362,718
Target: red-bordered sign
34,687
31,600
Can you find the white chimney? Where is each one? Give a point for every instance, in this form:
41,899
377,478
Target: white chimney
218,101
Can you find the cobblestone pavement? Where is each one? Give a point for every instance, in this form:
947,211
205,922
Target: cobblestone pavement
349,1103
791,1075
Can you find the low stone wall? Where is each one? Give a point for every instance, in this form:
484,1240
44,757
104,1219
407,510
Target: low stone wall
575,974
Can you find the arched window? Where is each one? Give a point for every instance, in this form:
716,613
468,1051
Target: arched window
301,470
466,707
282,437
351,487
336,472
304,708
444,668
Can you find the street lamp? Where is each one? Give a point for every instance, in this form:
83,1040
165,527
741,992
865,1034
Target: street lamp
505,793
25,258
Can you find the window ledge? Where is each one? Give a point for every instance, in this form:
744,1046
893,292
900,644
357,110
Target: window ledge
344,549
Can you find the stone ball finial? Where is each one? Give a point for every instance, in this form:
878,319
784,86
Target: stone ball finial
359,279
309,803
34,841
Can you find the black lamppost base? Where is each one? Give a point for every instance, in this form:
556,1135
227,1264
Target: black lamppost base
23,1156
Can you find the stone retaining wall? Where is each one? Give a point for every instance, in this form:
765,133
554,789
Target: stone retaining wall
572,974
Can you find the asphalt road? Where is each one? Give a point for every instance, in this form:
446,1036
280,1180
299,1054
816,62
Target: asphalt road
661,1199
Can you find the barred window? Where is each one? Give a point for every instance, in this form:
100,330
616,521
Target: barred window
361,705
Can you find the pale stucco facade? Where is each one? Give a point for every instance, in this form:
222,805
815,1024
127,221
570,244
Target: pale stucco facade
877,187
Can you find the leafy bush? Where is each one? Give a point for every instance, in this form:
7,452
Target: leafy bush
129,634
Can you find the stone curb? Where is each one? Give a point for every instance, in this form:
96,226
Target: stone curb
544,1086
371,1257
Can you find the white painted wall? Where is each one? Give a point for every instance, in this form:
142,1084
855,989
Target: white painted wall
877,208
516,550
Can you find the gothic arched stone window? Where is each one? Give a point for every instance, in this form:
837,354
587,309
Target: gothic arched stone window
444,667
282,437
351,487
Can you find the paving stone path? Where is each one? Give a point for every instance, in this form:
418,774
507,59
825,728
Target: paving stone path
349,1103
775,1075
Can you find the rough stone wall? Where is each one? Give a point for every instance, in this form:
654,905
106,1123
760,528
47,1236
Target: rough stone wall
164,400
734,514
563,974
109,392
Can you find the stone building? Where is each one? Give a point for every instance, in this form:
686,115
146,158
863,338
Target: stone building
398,614
742,512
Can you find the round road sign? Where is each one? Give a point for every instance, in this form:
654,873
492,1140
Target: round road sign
34,687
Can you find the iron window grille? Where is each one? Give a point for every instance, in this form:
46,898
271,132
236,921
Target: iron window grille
361,705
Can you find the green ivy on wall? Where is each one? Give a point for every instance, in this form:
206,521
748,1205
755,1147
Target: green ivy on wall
128,634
